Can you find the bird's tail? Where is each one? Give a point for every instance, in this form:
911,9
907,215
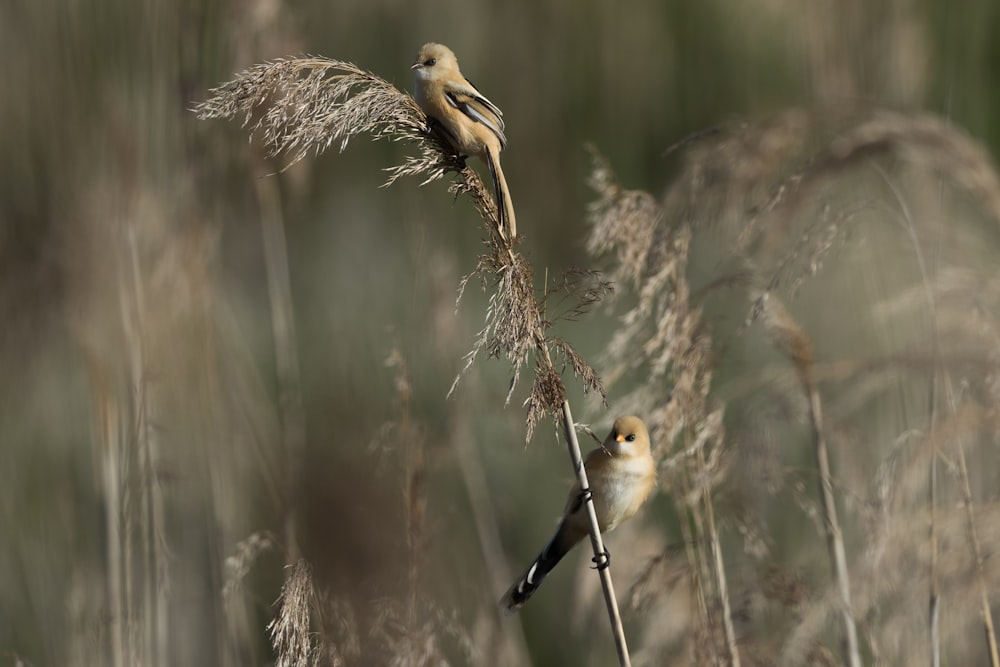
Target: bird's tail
528,583
505,206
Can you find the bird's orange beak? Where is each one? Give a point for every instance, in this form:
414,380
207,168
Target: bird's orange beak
620,438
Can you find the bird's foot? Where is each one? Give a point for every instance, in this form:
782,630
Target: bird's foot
602,561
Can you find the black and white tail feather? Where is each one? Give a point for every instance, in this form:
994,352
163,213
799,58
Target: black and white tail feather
560,544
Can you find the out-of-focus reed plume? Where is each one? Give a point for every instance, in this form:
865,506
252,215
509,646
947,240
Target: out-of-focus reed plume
851,243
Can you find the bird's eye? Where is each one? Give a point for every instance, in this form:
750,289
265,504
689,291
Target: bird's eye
630,437
430,62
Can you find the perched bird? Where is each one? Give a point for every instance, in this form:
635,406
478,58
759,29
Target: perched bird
472,123
621,475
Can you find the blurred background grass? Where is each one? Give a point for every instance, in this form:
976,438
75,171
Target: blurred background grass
135,298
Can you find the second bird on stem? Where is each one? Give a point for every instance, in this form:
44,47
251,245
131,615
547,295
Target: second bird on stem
621,474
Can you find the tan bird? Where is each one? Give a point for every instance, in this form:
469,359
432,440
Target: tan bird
621,475
472,123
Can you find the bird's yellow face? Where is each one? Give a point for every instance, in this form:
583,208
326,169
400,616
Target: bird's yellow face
432,60
628,436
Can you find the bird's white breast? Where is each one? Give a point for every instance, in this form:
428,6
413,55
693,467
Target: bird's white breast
624,488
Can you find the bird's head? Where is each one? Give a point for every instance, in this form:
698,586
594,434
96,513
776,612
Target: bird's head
433,61
628,437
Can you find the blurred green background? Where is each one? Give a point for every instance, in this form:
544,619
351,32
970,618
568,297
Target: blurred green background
146,427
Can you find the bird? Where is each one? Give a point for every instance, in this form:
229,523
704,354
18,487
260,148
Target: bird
471,123
621,474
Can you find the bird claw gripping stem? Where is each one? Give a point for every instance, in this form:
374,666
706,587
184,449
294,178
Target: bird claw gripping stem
602,561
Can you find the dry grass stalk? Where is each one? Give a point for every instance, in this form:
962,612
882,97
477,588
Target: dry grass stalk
414,493
934,593
516,328
313,626
413,630
719,569
934,627
238,565
596,541
977,554
289,380
662,335
147,318
120,332
291,628
505,644
794,343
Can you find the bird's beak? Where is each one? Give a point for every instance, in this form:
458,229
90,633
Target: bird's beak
620,438
415,65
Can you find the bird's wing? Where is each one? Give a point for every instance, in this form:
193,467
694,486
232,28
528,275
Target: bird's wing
471,102
469,89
